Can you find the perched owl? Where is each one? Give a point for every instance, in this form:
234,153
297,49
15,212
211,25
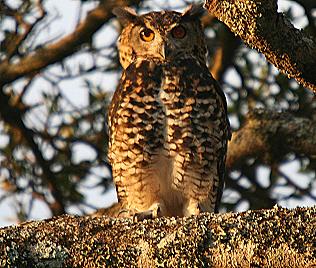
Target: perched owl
167,119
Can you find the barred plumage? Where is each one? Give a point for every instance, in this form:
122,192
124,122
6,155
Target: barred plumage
168,121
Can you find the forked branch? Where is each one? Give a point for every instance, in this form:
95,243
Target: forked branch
260,26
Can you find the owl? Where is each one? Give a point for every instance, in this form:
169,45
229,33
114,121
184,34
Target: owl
168,125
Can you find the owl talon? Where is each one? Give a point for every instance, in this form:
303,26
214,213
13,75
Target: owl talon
192,208
124,213
148,214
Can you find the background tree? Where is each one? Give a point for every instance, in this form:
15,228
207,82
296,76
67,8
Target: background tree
53,150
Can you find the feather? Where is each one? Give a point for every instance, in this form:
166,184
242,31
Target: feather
125,14
193,11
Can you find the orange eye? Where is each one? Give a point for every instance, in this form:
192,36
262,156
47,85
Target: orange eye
147,35
178,32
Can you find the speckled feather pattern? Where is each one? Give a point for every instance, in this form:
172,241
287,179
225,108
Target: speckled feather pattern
168,133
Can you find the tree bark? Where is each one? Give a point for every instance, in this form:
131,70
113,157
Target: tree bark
260,26
268,135
265,238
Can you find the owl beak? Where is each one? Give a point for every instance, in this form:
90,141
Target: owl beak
165,51
162,52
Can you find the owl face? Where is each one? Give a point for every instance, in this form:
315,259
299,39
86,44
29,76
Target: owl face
163,36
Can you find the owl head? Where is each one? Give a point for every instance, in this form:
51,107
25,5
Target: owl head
165,36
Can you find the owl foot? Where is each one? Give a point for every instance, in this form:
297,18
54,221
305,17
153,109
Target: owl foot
153,213
192,208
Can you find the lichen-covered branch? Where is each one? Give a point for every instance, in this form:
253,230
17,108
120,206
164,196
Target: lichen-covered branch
264,238
66,46
260,26
270,135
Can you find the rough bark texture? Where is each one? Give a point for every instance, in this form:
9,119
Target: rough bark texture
270,135
259,25
263,238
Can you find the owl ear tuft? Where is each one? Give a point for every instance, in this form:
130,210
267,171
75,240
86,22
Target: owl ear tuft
125,15
193,11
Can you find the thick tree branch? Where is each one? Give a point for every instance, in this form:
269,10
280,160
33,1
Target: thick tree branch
260,25
271,135
62,48
263,238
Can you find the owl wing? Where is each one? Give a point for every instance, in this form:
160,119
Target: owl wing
227,135
135,132
212,101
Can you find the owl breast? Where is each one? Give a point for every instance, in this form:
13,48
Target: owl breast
168,137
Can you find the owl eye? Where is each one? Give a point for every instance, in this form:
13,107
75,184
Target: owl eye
178,32
147,35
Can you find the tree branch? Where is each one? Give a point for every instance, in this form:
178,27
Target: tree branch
224,54
260,26
271,135
249,239
13,116
62,48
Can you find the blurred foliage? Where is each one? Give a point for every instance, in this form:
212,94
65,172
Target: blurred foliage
38,119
